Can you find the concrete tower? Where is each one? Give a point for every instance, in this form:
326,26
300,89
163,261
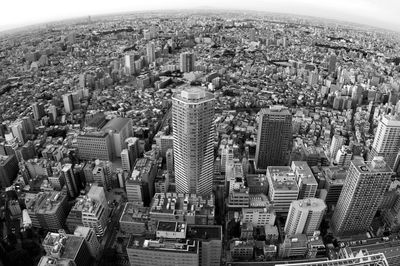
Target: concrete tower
363,190
305,216
193,131
273,137
387,140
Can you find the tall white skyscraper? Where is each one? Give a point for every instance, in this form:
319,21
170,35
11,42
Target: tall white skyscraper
387,140
193,131
305,216
363,191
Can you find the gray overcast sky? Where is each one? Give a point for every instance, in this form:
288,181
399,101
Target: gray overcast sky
381,13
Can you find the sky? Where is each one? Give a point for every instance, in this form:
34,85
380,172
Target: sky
379,13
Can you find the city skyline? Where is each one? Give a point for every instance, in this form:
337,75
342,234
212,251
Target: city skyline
379,14
199,137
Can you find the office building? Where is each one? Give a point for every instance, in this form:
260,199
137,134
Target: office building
332,63
359,260
126,164
210,243
70,180
119,129
18,130
166,143
305,179
294,246
259,216
343,156
187,62
135,188
51,261
129,61
97,193
242,250
74,218
161,183
387,140
132,145
336,143
169,156
238,198
8,170
53,112
32,203
53,212
143,174
95,145
193,131
283,188
61,246
170,248
234,176
257,183
68,103
134,219
305,216
102,173
188,208
38,110
362,192
391,250
226,156
91,240
151,52
274,137
94,215
334,181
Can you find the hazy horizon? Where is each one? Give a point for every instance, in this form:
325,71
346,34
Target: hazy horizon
21,13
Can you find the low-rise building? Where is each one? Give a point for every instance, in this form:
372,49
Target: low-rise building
283,188
189,208
60,246
134,219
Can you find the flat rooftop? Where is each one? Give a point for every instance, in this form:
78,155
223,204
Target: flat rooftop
72,244
275,110
312,204
204,232
93,134
133,213
52,202
377,165
281,178
174,203
50,261
168,226
303,171
390,249
256,180
163,245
